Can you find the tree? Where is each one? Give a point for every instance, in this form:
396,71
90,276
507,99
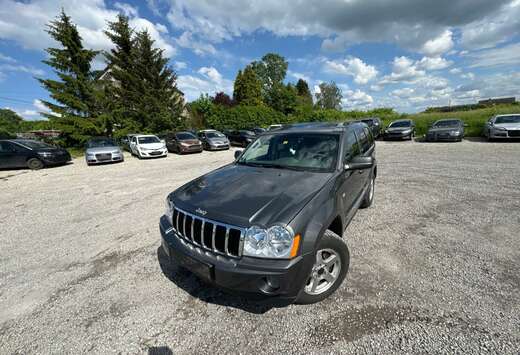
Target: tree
160,104
200,110
283,98
75,108
122,76
271,72
329,96
247,88
10,121
222,99
303,92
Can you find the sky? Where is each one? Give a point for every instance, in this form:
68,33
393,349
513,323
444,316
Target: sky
405,54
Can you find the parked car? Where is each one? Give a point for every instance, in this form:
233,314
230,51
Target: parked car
125,142
451,129
102,150
272,222
400,129
375,125
147,146
241,138
274,126
32,154
257,130
502,127
183,142
213,140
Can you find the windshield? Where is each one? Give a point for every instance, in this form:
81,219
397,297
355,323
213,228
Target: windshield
300,151
447,123
184,136
149,139
508,119
369,123
400,124
214,135
36,144
102,142
247,133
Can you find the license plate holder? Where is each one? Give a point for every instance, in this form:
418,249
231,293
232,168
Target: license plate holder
199,268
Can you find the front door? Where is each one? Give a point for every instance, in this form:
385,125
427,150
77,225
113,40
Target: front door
352,180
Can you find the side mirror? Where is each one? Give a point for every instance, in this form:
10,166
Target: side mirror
163,141
237,153
359,163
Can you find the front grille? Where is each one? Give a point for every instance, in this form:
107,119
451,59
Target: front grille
514,133
210,235
155,153
104,156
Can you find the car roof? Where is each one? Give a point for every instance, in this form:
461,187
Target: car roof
403,120
144,135
318,127
448,119
508,114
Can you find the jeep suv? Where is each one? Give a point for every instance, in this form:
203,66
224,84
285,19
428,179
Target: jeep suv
272,221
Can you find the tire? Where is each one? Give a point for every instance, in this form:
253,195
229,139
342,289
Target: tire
329,243
369,194
35,164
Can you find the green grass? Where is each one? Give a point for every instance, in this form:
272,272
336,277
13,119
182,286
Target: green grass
76,152
475,119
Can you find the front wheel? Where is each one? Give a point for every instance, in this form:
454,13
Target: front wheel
35,164
329,269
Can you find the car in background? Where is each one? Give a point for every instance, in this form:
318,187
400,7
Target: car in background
502,127
102,150
32,154
400,129
375,125
449,130
147,146
183,142
257,130
274,126
213,140
241,138
125,142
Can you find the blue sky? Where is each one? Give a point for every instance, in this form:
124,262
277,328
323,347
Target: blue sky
406,54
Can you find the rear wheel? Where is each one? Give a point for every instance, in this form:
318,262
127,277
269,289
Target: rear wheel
35,164
329,269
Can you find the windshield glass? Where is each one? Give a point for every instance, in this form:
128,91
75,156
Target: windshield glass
214,135
247,133
36,144
149,139
301,151
185,135
400,124
447,123
508,119
101,142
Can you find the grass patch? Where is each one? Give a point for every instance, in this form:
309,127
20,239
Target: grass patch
76,152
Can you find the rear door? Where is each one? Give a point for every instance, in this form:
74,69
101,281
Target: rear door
367,147
11,155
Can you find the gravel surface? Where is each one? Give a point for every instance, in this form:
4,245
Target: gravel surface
434,263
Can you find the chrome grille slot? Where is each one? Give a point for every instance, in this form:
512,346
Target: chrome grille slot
219,238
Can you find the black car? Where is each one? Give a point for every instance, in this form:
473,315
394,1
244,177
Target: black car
271,223
183,142
450,130
257,130
375,125
400,129
241,138
32,154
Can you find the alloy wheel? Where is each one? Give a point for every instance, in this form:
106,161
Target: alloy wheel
325,272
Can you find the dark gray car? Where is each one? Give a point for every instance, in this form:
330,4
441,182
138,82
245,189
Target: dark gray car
448,130
213,140
272,222
400,129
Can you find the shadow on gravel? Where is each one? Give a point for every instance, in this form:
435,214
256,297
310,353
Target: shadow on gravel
160,350
210,294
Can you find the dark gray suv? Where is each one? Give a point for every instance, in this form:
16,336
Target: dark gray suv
272,221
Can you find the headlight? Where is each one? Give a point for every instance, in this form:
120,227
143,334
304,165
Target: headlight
185,144
275,242
500,128
406,131
454,133
169,210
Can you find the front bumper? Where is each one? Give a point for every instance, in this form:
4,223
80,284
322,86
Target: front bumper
191,149
95,160
218,147
282,279
508,134
397,135
153,153
443,137
56,159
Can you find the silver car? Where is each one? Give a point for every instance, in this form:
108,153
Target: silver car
502,127
102,150
213,140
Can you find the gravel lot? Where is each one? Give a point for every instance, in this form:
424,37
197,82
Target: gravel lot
434,263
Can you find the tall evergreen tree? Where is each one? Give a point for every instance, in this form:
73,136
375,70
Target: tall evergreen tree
303,92
76,107
247,88
160,104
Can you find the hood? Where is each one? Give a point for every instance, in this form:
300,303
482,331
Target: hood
445,129
508,125
98,150
159,145
244,195
398,129
189,141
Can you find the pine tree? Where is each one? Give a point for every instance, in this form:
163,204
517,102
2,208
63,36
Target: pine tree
303,92
160,104
247,88
76,107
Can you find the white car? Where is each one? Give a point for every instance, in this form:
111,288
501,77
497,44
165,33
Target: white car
147,146
502,127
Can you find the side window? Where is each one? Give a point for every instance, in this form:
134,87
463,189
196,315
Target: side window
351,146
362,138
370,138
6,147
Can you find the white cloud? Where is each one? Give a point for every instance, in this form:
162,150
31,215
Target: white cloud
186,40
506,55
126,9
434,63
356,99
437,46
298,76
469,76
178,65
209,80
403,93
21,68
40,106
403,70
455,71
5,58
355,67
